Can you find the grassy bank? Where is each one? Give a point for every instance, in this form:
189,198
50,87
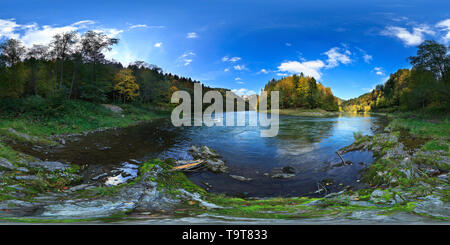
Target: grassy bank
38,117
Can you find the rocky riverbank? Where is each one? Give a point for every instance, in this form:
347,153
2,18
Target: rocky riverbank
408,183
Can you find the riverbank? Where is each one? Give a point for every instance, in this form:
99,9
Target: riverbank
306,112
40,121
409,183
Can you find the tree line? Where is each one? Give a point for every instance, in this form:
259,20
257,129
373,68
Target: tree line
73,66
299,91
425,86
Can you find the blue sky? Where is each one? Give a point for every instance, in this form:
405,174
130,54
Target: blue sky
349,46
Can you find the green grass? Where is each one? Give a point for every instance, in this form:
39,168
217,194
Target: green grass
8,153
421,127
67,117
433,145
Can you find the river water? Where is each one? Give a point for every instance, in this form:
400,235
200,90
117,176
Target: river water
307,144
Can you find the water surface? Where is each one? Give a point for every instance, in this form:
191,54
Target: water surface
307,144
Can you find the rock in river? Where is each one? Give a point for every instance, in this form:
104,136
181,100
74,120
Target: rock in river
240,178
211,158
283,173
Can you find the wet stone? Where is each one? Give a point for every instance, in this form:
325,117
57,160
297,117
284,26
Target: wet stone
240,178
4,163
23,169
27,177
50,166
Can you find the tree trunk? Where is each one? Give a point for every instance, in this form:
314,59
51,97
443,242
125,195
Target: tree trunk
56,76
62,72
33,77
73,81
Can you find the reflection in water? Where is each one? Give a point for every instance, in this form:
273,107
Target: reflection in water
307,144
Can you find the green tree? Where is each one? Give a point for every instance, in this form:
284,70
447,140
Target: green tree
431,56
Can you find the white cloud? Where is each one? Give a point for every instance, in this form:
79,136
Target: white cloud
263,71
110,32
232,59
367,58
282,74
308,68
144,26
445,26
243,91
84,23
187,62
7,29
186,58
379,71
237,79
288,44
109,54
31,34
240,67
43,35
335,57
226,69
158,45
191,35
138,26
416,37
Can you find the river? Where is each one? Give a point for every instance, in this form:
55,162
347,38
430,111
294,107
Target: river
307,144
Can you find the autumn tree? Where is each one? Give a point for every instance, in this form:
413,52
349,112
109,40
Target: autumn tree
125,85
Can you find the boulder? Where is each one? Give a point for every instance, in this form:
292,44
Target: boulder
433,206
216,166
27,177
113,108
376,194
202,152
4,163
211,158
240,178
50,166
283,173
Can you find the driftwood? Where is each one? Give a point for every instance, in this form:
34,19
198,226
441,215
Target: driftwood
189,166
342,159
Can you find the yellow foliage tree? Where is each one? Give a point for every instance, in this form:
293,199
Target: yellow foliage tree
125,85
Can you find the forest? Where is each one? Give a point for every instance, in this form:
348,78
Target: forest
73,67
299,91
426,86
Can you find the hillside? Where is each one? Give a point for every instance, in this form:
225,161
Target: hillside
299,91
426,86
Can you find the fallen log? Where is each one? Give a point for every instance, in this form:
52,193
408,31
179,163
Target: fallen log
188,166
342,159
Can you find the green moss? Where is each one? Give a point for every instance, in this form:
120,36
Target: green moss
433,145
